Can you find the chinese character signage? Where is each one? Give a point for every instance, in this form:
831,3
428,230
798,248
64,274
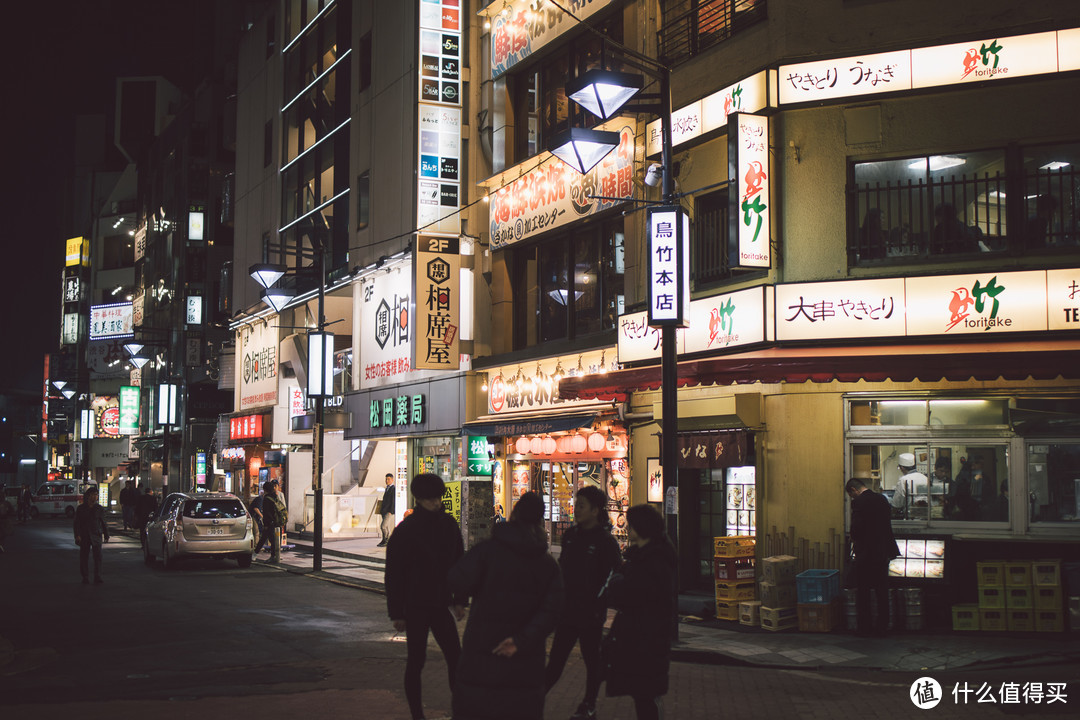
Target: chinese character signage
77,252
553,194
72,289
386,328
108,321
256,366
976,304
985,59
842,309
710,113
535,385
248,427
439,116
200,468
129,410
436,289
398,411
845,77
477,460
669,266
1063,299
71,329
106,409
748,163
196,222
518,30
194,310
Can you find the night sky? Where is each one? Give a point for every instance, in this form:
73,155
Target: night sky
61,60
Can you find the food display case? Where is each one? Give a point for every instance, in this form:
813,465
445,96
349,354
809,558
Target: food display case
741,500
920,558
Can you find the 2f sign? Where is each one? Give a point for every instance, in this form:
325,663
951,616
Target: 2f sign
438,244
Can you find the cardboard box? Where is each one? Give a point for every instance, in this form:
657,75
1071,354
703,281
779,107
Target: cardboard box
820,617
780,569
774,619
750,613
773,595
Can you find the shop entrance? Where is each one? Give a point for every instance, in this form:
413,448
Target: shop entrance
557,482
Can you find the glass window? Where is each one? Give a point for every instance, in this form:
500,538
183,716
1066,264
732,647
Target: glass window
209,509
709,248
690,27
1053,476
554,291
1051,175
363,199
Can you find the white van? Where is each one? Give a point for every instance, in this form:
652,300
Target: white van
56,498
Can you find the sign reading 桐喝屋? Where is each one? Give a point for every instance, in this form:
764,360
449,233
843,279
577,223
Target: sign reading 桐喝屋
436,270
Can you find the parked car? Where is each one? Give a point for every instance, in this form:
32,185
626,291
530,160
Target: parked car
59,497
199,525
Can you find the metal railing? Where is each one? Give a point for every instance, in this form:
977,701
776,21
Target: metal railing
693,26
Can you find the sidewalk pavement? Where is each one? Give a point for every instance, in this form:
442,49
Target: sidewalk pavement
359,563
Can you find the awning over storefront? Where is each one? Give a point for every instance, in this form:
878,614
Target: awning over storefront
956,362
529,423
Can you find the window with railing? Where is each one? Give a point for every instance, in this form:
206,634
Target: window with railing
691,27
992,201
709,239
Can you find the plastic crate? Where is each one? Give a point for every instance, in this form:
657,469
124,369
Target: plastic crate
992,620
750,613
725,568
736,589
1046,573
1046,598
965,617
1018,598
1049,621
817,586
820,617
1018,573
727,610
734,546
1020,620
990,573
992,597
774,619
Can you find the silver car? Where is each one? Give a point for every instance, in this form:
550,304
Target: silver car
199,525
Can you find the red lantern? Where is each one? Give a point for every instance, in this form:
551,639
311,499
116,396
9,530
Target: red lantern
596,442
578,444
563,444
522,445
549,445
536,445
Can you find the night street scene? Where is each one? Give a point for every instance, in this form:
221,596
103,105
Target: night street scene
541,360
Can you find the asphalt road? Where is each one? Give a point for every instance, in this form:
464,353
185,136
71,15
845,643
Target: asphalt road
209,640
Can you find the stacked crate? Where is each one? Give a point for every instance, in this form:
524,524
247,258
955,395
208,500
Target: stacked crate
991,588
733,572
778,609
1019,615
1047,597
820,606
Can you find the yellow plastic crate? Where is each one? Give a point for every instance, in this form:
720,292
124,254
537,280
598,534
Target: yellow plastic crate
1049,621
1018,598
965,617
992,620
736,589
734,546
727,610
1046,598
1018,573
1046,573
1020,620
991,597
990,573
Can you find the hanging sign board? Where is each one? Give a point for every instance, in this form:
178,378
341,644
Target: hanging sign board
748,165
669,266
436,273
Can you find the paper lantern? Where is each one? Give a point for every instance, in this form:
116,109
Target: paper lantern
536,445
578,444
563,444
522,445
549,445
596,442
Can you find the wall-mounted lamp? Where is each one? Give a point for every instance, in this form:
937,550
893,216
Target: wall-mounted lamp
166,404
320,364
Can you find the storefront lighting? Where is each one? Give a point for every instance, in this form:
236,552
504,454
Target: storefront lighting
277,298
548,446
583,149
86,424
559,374
138,362
596,442
578,444
68,393
320,364
536,445
59,384
522,445
1054,165
484,382
580,370
166,404
266,274
133,348
604,92
603,365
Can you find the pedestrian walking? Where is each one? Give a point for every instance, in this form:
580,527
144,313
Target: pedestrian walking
128,499
256,510
386,509
637,651
589,555
419,555
145,505
517,594
90,532
7,518
874,546
25,503
275,516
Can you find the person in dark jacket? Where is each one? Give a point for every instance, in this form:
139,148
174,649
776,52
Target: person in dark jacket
517,593
26,502
874,546
144,507
589,555
128,498
637,651
419,555
90,531
386,509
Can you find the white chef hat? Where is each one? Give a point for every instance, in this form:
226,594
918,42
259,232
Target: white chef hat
906,460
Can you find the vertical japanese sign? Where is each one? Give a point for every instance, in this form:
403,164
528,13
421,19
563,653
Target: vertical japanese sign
439,116
78,252
200,468
129,410
669,266
436,271
256,366
385,325
748,167
478,462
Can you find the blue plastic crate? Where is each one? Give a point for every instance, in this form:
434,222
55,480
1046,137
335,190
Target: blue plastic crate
817,586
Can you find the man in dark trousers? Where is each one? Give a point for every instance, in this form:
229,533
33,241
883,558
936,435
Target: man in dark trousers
90,531
128,498
874,546
589,555
386,509
419,555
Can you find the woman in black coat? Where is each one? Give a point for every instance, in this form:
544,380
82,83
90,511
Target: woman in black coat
638,649
517,594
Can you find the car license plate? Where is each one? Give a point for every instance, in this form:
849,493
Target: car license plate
215,531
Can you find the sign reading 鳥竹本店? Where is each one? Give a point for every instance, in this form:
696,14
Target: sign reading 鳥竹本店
113,320
709,113
521,27
386,312
256,366
439,116
436,268
553,194
669,266
718,322
748,166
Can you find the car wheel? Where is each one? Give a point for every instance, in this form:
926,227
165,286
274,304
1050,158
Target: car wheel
166,559
244,561
148,557
70,512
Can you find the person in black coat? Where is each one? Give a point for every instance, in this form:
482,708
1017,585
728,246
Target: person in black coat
419,555
874,546
637,651
517,594
90,531
589,555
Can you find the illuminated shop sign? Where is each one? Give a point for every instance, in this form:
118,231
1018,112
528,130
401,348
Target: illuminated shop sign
748,158
129,410
439,116
256,366
385,328
521,27
710,113
77,252
436,275
400,411
107,321
669,266
248,427
106,409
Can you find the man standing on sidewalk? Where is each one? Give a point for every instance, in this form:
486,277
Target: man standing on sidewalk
386,509
128,498
90,531
274,519
874,546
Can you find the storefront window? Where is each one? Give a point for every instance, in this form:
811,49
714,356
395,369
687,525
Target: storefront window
1053,471
958,412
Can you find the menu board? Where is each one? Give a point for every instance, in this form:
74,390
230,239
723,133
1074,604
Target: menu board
740,493
919,559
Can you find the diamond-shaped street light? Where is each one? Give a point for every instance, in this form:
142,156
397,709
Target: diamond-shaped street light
582,149
266,274
278,298
604,92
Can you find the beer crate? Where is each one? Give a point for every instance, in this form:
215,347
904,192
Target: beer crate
1018,598
725,568
734,546
1020,620
775,619
993,620
1046,573
820,617
727,609
991,597
735,589
1017,573
1046,598
990,573
1049,621
965,617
